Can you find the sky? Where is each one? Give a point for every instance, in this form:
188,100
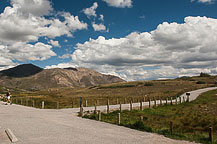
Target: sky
132,39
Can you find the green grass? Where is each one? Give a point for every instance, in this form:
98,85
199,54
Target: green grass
125,91
190,120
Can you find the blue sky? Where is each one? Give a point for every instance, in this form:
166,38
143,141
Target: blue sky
134,39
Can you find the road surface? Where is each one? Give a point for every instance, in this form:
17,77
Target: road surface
62,126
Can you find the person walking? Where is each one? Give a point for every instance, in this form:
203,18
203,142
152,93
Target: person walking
8,97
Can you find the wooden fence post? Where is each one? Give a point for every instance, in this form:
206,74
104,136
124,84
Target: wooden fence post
171,100
120,107
81,106
188,100
95,108
160,100
166,100
176,101
141,105
188,96
149,102
108,106
58,105
72,104
171,127
125,101
99,115
42,105
180,100
119,118
33,103
81,101
211,134
131,105
155,103
183,99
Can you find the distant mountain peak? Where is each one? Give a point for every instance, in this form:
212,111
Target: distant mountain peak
23,70
31,77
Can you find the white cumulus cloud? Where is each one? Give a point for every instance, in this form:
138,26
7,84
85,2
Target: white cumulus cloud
101,17
54,43
34,7
119,3
65,56
62,65
23,22
204,1
91,11
99,27
171,50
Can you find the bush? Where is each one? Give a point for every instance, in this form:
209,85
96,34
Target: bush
141,126
204,75
148,84
201,82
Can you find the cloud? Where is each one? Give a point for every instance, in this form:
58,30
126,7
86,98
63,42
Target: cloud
34,7
101,17
25,52
91,11
25,21
171,50
73,22
99,27
62,65
204,1
54,43
65,56
119,3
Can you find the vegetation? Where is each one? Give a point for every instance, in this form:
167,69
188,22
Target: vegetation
201,82
204,75
148,84
190,120
124,91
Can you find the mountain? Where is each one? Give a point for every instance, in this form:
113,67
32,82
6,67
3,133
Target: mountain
31,77
24,70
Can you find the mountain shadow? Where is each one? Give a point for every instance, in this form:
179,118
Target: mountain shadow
24,70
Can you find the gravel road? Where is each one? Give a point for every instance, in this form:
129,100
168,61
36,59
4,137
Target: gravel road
49,126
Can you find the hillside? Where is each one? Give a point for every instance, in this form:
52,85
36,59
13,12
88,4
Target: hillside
31,77
24,70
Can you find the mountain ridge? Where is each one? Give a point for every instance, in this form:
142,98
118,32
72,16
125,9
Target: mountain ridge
38,78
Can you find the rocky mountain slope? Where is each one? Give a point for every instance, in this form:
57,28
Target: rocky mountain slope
31,77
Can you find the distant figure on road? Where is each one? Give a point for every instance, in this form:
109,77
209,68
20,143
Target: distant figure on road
8,96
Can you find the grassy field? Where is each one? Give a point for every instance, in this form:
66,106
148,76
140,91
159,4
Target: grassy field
191,120
127,90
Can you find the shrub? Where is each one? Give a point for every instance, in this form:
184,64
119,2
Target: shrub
141,126
201,82
204,75
148,84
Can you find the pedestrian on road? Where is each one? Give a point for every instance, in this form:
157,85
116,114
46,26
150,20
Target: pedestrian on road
8,97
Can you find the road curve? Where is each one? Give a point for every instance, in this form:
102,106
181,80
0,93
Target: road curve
37,126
